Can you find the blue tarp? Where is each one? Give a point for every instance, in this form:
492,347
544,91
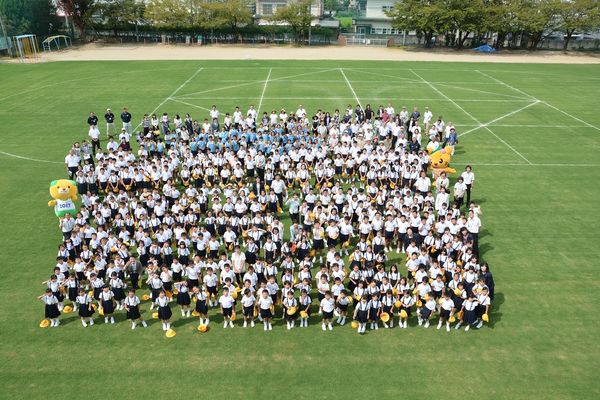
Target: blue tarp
485,49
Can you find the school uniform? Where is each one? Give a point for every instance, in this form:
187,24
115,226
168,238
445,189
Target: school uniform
106,300
287,303
327,305
248,306
133,307
116,285
407,302
374,310
51,306
446,308
72,290
484,301
201,303
183,296
85,306
362,312
264,305
305,304
470,314
164,311
227,303
428,308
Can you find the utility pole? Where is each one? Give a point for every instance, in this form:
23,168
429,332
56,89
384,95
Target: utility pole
5,36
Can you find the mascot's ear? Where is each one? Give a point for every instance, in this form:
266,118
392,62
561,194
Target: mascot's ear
448,149
53,183
73,183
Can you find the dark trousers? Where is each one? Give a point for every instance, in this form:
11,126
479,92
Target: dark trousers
468,195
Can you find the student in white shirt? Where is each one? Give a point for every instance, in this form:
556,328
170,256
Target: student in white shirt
264,304
469,179
227,303
326,307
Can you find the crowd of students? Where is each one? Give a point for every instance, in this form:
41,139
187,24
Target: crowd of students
194,219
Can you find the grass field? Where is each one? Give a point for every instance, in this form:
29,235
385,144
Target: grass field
532,133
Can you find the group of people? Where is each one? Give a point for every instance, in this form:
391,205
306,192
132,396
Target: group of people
282,215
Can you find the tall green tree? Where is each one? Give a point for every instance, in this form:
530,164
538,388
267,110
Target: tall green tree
297,16
171,13
120,14
577,16
28,16
80,12
427,17
230,14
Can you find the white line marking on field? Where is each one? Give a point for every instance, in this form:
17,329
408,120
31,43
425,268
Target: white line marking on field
189,104
351,88
473,118
345,98
499,118
254,82
526,165
542,101
448,85
29,158
262,95
172,94
506,84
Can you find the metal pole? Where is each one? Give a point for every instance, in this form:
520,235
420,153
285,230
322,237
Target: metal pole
8,42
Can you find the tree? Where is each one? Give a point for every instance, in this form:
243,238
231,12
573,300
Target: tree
32,16
120,13
297,16
80,12
427,17
577,16
231,14
537,19
466,18
169,13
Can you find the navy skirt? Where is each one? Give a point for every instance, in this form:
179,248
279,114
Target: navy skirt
201,307
183,298
51,311
84,310
133,313
164,313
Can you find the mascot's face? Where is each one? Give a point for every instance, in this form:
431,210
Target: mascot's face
62,189
440,159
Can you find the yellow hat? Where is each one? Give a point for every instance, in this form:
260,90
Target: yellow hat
175,291
272,308
170,333
485,317
91,293
44,323
313,252
232,318
415,291
101,311
146,297
303,314
394,291
291,310
357,297
234,294
168,293
155,315
354,324
346,244
195,313
452,319
385,317
430,280
397,304
440,301
68,309
419,303
238,289
457,292
403,314
202,328
426,297
255,313
350,299
461,313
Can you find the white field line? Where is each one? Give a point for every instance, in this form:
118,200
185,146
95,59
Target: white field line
29,158
262,95
350,86
447,85
172,94
498,119
345,98
473,118
189,104
542,101
506,84
254,82
526,165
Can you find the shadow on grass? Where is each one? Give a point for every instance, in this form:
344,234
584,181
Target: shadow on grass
496,314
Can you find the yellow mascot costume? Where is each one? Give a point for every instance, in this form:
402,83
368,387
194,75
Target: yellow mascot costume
64,194
440,161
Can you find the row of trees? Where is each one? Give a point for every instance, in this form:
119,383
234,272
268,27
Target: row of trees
528,20
225,15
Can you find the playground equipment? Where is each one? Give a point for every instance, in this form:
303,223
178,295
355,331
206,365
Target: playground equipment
55,41
26,48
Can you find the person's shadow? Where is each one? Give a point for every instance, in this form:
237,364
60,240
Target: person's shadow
495,314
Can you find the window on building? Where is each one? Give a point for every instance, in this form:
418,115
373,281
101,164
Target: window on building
267,9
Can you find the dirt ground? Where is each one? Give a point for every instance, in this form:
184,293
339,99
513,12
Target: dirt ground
96,51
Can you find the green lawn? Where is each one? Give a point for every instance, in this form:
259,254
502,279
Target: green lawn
537,182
